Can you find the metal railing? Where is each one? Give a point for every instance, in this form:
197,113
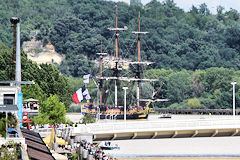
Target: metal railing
158,125
173,125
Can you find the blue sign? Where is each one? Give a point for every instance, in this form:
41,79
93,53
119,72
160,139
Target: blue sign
20,104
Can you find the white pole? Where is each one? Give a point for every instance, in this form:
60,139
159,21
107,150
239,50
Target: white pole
234,112
18,58
125,103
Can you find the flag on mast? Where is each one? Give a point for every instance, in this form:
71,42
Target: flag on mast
80,95
86,78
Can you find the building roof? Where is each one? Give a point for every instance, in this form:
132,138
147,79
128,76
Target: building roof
31,100
36,148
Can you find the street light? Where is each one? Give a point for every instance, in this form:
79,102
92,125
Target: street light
233,83
125,103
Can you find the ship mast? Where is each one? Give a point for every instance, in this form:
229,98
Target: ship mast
138,72
139,58
116,69
101,54
116,63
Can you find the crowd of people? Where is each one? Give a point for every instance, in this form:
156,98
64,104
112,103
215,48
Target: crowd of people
94,150
31,106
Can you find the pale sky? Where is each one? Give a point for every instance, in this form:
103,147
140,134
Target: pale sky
212,4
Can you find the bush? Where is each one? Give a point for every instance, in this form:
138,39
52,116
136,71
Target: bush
194,103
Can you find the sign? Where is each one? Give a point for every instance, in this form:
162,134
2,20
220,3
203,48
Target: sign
8,108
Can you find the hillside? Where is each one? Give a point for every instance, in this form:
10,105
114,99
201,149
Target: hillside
177,40
195,53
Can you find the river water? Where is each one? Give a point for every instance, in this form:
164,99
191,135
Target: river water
213,148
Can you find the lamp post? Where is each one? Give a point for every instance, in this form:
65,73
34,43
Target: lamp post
233,83
125,103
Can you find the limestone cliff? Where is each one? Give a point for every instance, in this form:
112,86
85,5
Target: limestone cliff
39,54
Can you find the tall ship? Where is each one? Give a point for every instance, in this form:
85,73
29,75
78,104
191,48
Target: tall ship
116,111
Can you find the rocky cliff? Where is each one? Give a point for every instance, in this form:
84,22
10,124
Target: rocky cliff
39,54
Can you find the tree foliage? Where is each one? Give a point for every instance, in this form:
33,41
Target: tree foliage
194,103
47,77
51,111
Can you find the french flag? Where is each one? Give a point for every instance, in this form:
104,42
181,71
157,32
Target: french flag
80,95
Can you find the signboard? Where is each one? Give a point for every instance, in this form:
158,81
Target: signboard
8,108
20,104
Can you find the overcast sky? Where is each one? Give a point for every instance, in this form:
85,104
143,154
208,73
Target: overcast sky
212,4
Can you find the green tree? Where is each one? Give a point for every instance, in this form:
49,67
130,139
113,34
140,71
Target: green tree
217,78
196,86
3,127
53,110
178,86
52,82
194,103
12,154
33,91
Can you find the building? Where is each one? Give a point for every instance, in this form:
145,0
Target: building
8,95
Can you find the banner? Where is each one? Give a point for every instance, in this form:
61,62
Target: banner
20,105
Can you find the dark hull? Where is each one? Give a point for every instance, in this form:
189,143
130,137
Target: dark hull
131,116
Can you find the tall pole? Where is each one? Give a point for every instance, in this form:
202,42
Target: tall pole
125,103
16,22
233,83
14,51
18,59
16,25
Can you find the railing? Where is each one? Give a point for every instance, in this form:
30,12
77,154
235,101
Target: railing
157,125
163,125
15,139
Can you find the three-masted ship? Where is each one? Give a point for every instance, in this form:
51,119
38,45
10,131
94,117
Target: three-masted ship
103,111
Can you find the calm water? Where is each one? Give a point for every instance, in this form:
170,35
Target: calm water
209,148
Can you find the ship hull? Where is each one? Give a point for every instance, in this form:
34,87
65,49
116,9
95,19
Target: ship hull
128,116
114,113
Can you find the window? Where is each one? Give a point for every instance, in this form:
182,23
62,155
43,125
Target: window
8,99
